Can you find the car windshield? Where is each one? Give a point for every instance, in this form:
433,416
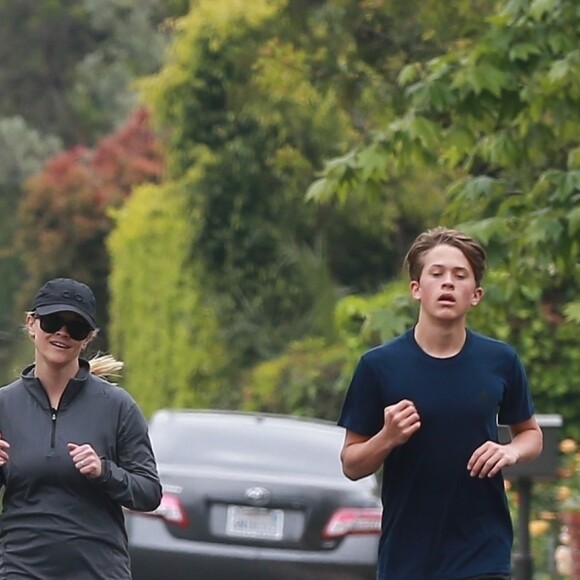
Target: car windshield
252,442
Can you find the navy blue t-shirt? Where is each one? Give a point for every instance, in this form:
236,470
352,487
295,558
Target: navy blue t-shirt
439,523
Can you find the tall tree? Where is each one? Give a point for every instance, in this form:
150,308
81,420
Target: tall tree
66,72
41,43
254,97
162,324
22,153
504,111
66,66
65,215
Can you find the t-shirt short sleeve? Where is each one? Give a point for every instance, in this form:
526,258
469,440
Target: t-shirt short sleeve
362,410
517,405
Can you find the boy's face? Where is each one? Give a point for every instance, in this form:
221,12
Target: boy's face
446,288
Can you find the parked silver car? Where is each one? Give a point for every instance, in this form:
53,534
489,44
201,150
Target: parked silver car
254,496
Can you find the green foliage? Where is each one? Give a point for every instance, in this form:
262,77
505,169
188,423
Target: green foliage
16,350
503,111
307,380
516,112
45,40
162,326
252,98
245,100
240,240
310,378
364,322
66,71
22,153
67,66
132,39
572,311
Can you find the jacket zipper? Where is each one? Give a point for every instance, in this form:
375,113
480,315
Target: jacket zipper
53,428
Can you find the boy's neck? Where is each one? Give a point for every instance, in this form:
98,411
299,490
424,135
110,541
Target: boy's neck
440,341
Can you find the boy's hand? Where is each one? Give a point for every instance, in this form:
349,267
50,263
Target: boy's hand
401,421
489,459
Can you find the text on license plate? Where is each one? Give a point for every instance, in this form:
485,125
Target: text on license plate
253,522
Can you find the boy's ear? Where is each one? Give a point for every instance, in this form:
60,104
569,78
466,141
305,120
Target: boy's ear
415,290
477,296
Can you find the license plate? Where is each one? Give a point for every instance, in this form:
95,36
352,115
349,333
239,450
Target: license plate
252,522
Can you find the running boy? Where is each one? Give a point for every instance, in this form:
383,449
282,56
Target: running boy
425,406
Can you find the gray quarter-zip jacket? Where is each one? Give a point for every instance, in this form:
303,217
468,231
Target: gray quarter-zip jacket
56,523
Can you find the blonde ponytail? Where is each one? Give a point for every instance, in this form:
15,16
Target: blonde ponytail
106,366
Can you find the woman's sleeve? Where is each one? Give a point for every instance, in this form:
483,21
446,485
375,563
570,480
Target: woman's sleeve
133,480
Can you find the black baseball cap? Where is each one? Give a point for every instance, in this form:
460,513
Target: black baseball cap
65,294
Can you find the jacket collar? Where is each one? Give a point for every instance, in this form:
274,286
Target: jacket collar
73,388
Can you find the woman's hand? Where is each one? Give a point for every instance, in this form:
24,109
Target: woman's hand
4,446
85,459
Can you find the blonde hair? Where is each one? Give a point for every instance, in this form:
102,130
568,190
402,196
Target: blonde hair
106,365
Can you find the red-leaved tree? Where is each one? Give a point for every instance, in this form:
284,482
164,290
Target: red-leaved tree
65,212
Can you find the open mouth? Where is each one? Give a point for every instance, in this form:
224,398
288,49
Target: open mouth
446,299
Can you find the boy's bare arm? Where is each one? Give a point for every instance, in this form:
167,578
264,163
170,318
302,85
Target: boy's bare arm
362,455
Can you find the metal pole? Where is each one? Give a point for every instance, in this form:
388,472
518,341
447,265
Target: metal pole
523,565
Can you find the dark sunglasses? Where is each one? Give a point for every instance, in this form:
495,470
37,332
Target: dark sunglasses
51,323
